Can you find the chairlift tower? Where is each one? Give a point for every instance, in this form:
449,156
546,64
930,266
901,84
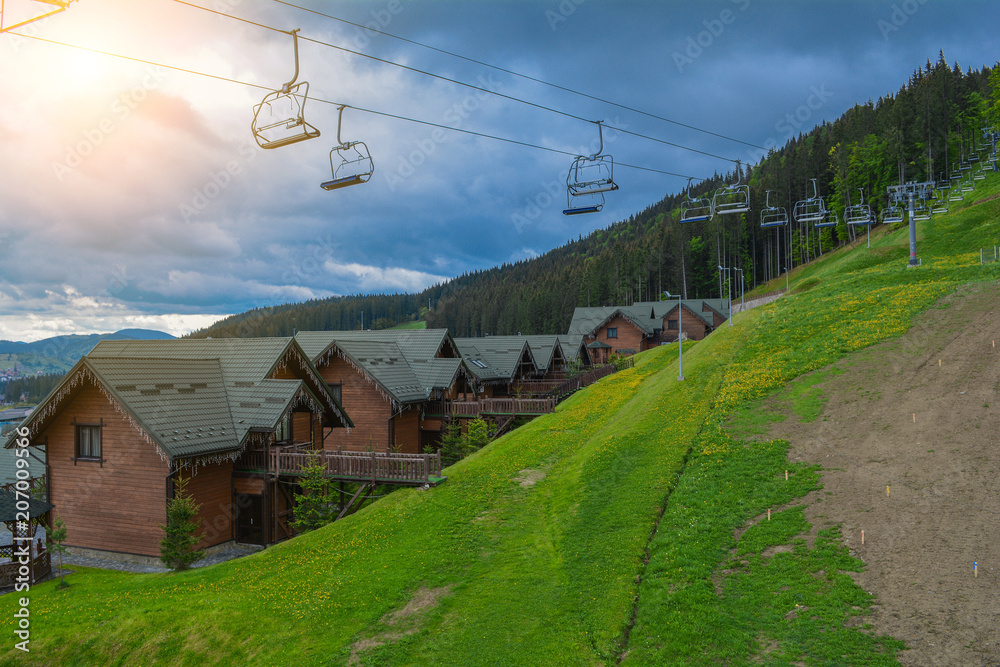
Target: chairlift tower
913,233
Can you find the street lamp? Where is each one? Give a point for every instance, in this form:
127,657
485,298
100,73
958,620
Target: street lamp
680,335
729,281
742,300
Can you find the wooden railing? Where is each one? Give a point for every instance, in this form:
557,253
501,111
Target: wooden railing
39,567
503,406
360,466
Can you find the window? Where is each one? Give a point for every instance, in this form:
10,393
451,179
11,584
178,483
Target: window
672,325
612,332
88,442
284,431
335,389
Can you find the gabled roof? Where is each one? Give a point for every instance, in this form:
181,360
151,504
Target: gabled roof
197,398
588,320
408,364
574,348
543,347
495,358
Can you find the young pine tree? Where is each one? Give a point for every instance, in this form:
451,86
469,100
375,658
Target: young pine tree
452,444
177,548
56,538
478,436
312,508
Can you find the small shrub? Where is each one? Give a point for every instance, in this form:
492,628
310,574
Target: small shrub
177,549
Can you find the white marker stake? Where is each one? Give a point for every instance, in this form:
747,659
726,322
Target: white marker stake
939,363
769,514
914,417
975,570
862,537
786,475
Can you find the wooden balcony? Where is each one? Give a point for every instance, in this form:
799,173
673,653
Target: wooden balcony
375,467
504,407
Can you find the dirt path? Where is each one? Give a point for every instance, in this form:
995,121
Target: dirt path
931,433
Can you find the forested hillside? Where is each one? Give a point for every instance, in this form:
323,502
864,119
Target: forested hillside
915,134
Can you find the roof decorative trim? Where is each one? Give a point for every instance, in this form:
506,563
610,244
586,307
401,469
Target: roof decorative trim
383,392
84,374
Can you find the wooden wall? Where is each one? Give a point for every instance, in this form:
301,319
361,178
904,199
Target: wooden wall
694,327
629,337
117,507
407,427
211,487
369,409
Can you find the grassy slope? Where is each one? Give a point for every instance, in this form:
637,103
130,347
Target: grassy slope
546,573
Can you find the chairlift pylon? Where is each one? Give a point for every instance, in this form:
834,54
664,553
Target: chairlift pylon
279,120
733,198
695,210
772,216
812,209
355,164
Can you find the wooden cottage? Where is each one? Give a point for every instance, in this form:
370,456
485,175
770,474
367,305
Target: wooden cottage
133,416
395,383
626,330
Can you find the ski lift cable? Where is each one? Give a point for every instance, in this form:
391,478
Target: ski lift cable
456,82
258,86
520,75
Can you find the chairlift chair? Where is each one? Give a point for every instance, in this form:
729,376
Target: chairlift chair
921,210
980,173
892,214
578,204
734,198
773,216
353,164
695,210
279,120
830,219
592,174
860,214
810,210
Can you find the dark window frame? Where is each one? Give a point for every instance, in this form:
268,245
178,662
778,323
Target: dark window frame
89,456
337,390
671,325
612,332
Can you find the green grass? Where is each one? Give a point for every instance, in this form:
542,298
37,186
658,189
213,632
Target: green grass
629,544
420,324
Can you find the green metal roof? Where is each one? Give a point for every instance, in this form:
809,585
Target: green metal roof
646,315
202,397
501,355
404,362
8,507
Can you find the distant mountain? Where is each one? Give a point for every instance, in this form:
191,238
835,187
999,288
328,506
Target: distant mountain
59,353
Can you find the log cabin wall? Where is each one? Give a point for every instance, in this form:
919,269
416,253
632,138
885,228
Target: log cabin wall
629,336
211,488
407,431
369,409
117,506
694,327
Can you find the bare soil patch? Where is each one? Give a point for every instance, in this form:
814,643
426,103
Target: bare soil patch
402,622
919,415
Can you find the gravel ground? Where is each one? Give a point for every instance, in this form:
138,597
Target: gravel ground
108,564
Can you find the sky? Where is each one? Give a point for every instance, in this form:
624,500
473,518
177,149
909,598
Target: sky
133,193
